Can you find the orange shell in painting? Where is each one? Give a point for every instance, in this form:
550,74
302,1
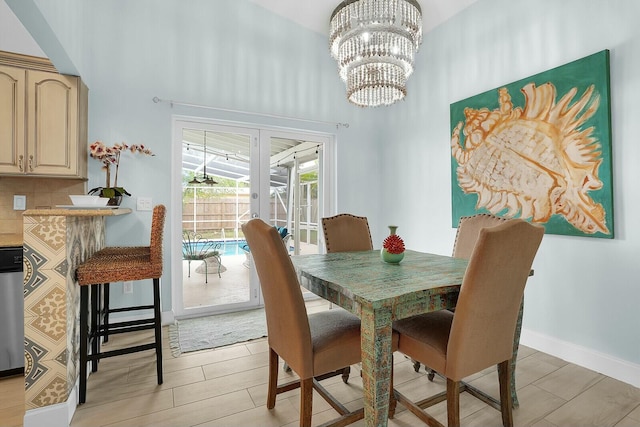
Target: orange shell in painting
537,162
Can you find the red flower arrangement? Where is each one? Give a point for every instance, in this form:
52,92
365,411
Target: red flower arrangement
393,244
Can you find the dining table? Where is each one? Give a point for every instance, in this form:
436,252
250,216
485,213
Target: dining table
380,293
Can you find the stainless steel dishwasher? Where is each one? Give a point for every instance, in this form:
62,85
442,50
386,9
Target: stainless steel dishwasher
11,312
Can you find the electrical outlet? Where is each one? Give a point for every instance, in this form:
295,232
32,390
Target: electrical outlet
127,288
19,203
144,204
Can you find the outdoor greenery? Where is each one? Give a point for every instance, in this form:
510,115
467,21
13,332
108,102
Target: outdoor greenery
223,188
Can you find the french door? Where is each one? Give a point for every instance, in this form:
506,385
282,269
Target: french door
226,175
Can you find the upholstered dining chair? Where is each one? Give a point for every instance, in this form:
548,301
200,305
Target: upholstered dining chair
119,264
346,233
480,332
468,231
316,346
466,236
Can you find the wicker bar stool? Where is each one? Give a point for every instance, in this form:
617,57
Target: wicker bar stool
119,264
121,252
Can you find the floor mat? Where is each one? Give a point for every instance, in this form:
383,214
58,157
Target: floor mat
201,333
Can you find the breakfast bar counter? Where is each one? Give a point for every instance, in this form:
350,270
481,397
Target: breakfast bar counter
85,211
56,241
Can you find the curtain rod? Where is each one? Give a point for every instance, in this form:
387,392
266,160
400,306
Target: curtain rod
187,104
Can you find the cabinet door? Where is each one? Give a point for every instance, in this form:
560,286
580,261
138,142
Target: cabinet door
12,126
52,124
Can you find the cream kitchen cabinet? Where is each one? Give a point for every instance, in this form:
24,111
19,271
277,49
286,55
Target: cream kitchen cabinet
43,123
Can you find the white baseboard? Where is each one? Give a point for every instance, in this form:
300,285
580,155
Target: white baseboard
58,415
610,366
168,317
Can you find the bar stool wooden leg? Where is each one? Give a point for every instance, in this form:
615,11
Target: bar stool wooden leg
94,334
158,327
84,341
106,312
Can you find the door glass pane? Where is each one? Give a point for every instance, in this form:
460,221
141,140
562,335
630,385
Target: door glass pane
216,195
294,192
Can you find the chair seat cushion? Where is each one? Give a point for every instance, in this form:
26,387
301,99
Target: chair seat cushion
200,256
335,336
425,337
109,269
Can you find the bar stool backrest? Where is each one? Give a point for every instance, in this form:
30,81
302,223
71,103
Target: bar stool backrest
157,231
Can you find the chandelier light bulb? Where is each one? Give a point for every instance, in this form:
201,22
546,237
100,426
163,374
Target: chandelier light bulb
374,43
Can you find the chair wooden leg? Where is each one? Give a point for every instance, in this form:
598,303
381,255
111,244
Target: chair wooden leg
453,403
345,374
306,402
504,376
273,379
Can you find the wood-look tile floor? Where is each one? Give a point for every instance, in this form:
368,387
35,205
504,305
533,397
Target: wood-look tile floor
227,387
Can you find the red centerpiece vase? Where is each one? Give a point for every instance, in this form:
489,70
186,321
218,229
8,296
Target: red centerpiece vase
392,250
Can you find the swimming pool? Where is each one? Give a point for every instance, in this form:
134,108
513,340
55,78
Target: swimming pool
227,247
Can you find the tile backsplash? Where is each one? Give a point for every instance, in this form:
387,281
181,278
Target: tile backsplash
41,193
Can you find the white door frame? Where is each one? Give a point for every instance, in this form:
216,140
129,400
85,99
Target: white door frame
261,139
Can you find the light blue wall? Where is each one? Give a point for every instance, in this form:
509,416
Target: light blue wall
393,162
585,291
228,53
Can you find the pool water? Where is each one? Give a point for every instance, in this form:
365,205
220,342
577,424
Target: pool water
228,247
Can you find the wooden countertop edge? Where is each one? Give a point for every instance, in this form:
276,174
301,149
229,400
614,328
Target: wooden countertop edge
76,212
10,240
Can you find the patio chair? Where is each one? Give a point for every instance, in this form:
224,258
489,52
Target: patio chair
195,248
284,234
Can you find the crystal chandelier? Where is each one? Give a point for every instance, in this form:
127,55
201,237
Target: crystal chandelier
374,43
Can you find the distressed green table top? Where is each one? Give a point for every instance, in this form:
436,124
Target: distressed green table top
354,279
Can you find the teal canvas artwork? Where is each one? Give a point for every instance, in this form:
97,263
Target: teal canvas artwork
538,149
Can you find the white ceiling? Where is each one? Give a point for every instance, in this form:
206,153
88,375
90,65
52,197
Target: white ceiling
315,14
311,14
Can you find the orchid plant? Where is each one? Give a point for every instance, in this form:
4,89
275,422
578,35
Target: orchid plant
111,156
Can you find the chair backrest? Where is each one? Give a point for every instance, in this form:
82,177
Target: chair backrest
492,289
157,230
347,233
468,231
287,322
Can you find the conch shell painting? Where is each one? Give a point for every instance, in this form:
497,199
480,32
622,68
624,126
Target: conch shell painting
537,161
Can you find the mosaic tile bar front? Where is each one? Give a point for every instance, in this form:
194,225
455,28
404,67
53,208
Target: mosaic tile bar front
55,243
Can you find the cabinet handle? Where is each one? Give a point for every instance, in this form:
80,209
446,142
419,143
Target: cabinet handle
31,163
20,159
